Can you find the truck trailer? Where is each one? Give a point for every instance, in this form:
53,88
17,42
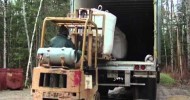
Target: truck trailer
140,21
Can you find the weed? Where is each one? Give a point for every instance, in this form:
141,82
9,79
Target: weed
166,79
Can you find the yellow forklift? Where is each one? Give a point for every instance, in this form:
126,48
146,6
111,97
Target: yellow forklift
55,78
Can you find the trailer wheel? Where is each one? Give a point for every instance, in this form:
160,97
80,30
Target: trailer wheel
97,96
146,92
103,90
158,77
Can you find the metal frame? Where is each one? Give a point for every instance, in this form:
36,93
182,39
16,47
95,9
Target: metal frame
81,92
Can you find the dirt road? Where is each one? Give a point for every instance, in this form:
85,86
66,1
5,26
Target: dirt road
15,95
173,93
163,93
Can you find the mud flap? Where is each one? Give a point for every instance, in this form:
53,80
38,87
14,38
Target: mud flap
148,91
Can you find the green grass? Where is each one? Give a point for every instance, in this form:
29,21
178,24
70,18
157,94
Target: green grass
166,79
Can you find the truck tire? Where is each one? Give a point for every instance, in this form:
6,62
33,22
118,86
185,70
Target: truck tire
103,90
146,92
158,76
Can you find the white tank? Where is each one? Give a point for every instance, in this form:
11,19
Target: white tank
120,44
55,55
110,21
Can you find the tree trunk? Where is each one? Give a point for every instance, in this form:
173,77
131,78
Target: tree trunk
10,42
165,50
188,32
31,43
25,23
26,29
169,30
179,50
171,37
5,34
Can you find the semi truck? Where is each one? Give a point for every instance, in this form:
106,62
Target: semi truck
100,71
140,21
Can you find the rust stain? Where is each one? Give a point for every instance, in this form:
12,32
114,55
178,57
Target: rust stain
9,74
3,74
14,79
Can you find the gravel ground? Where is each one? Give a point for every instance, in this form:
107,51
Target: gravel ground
15,95
173,93
163,93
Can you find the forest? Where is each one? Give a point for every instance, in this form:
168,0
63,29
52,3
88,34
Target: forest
21,22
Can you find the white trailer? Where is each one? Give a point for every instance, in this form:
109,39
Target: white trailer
140,21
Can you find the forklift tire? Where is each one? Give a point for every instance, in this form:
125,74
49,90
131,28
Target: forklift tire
146,92
97,96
